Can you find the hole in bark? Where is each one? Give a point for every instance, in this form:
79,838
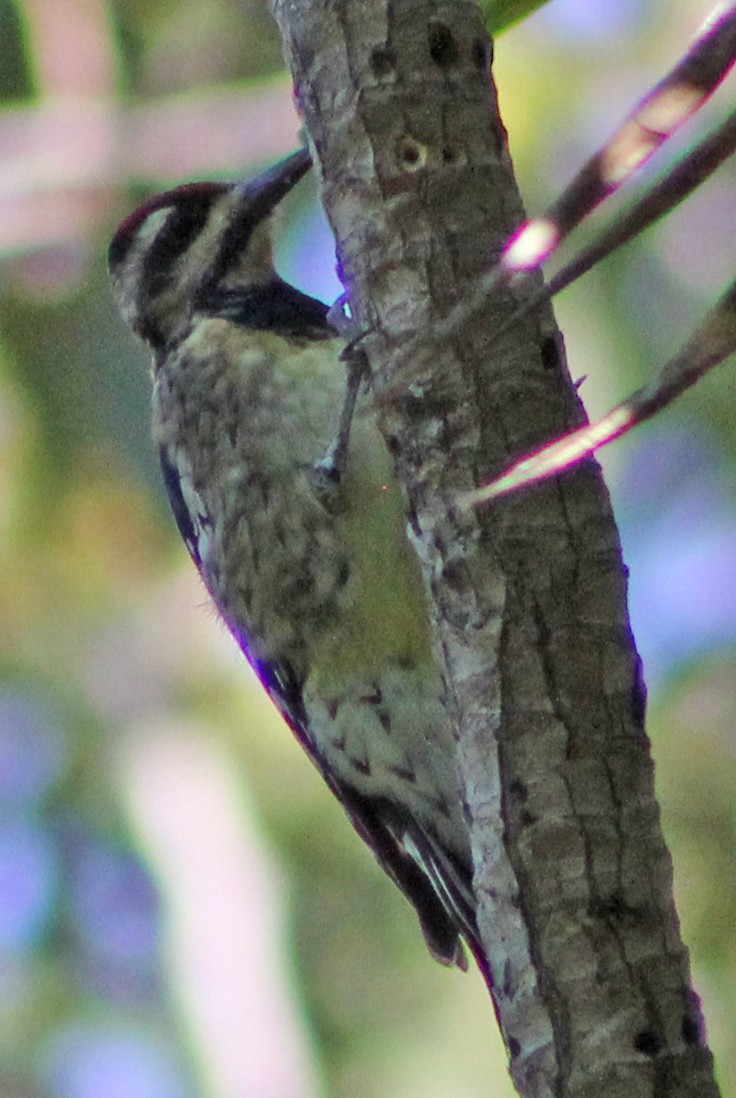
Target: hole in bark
690,1030
480,54
508,983
411,155
647,1042
412,404
343,574
382,60
442,46
519,789
453,573
514,1047
550,353
609,908
439,543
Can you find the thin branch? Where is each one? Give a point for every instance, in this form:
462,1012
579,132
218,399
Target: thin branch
679,95
679,183
651,123
710,345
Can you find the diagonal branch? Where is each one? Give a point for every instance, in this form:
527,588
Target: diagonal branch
679,183
659,115
710,345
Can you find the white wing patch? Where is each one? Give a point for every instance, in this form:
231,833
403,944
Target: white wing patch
190,512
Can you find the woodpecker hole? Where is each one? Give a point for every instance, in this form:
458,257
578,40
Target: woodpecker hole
480,53
647,1042
382,60
343,573
610,908
442,45
453,573
550,353
690,1030
411,154
508,979
519,789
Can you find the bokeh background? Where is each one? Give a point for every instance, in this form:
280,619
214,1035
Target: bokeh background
184,912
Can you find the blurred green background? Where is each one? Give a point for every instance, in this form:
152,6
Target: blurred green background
184,912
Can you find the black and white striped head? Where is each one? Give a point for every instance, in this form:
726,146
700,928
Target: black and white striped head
185,248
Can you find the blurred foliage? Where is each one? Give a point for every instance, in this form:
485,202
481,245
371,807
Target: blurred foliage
501,14
112,668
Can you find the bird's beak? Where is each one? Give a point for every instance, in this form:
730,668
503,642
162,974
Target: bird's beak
265,192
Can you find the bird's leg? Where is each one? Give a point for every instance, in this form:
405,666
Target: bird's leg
330,468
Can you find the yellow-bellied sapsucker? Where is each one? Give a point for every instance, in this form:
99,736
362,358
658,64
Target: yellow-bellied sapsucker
320,587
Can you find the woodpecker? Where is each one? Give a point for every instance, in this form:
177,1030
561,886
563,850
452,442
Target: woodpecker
318,584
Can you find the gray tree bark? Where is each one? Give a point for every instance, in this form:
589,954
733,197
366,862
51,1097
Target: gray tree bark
591,981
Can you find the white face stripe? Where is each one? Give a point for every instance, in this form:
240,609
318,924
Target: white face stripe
152,226
127,274
171,305
157,285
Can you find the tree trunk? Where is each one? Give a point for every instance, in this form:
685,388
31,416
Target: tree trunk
590,979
